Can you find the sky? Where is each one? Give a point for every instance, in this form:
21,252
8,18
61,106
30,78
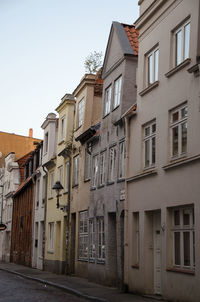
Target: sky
43,46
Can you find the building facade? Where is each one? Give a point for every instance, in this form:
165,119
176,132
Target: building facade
162,178
88,111
107,190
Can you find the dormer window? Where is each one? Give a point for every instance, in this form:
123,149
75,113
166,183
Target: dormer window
62,129
46,142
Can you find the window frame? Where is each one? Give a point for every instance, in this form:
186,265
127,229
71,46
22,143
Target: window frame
153,73
179,123
183,56
81,110
112,164
117,91
107,100
76,170
181,229
51,183
88,159
67,176
62,128
92,245
95,168
122,161
102,172
51,237
101,254
83,236
46,142
149,138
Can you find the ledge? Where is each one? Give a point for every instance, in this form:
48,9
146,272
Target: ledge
75,186
182,161
135,266
50,252
92,188
181,271
120,180
101,186
82,260
151,172
149,88
110,183
100,261
177,68
195,69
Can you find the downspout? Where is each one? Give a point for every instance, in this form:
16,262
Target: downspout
68,217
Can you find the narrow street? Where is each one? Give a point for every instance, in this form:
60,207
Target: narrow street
17,289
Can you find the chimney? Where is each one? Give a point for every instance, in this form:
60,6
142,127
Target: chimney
30,132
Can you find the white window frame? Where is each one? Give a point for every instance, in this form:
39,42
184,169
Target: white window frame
107,100
44,180
181,229
76,170
51,183
62,129
37,191
101,238
91,239
81,108
185,44
117,91
95,167
83,236
51,236
152,62
102,176
122,160
112,163
179,125
149,139
60,174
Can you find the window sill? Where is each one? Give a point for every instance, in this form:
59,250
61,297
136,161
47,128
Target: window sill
181,161
92,188
61,142
177,68
82,260
50,198
120,180
50,252
115,108
65,193
100,261
135,266
74,186
77,128
195,70
91,261
110,183
181,271
86,180
149,88
101,186
149,172
106,115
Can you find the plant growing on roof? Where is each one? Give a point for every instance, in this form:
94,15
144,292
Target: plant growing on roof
93,62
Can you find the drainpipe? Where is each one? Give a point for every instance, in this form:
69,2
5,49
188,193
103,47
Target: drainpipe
45,214
68,216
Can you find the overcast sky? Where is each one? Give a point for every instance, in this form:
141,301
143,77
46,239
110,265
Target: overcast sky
43,46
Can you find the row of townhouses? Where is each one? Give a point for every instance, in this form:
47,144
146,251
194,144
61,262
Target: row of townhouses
112,192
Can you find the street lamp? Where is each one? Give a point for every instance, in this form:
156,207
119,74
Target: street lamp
57,187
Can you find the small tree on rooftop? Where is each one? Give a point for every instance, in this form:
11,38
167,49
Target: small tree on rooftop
93,62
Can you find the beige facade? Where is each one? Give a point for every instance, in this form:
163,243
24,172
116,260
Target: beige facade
162,228
87,115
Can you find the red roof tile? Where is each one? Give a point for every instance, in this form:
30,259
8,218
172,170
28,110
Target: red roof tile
132,35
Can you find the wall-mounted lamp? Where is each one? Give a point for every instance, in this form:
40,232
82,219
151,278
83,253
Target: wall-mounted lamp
58,187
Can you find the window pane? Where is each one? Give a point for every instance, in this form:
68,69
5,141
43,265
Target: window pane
186,247
175,141
147,131
184,137
184,112
187,40
177,217
153,150
193,248
175,117
153,128
177,248
178,47
156,56
150,69
147,150
186,217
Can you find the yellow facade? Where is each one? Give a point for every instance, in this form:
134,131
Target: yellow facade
56,218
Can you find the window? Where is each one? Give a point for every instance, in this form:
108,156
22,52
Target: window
46,142
81,106
183,237
117,91
152,66
91,239
51,183
179,131
62,129
112,163
51,236
102,168
75,170
60,174
94,170
150,144
44,189
122,160
108,93
67,176
83,235
87,163
136,239
37,191
101,238
182,43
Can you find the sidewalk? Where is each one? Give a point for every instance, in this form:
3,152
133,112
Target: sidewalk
74,285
